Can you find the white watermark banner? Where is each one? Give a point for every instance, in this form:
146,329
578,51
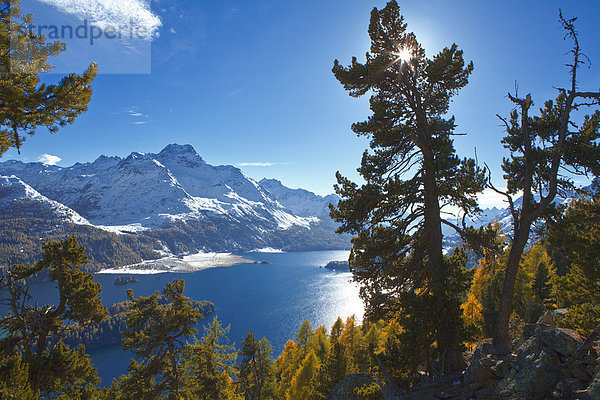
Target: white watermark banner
115,34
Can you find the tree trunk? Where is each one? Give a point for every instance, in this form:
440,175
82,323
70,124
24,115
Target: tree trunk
432,218
501,342
433,230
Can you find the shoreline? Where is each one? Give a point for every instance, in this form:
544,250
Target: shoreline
186,264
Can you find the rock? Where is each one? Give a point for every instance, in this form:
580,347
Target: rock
559,312
537,375
542,327
562,341
501,368
537,368
581,395
446,395
535,311
547,319
124,280
487,362
528,331
590,359
479,369
344,390
580,374
593,391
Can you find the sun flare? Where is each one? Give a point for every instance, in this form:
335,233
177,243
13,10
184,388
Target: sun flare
403,55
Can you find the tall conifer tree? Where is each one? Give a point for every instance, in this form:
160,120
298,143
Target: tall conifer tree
412,173
256,379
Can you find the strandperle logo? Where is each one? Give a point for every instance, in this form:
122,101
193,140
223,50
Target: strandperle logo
117,43
89,32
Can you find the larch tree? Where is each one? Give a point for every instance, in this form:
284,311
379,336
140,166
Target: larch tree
285,367
25,103
545,152
412,176
304,383
209,365
256,379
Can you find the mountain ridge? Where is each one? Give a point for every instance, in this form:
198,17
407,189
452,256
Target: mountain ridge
178,200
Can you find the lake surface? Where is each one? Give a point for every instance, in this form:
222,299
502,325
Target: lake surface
271,299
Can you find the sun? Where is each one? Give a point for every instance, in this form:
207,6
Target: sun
403,55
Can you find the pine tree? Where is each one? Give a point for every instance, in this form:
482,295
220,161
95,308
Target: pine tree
25,103
14,379
304,337
411,174
336,330
545,151
352,340
374,343
33,333
541,285
320,343
335,368
156,335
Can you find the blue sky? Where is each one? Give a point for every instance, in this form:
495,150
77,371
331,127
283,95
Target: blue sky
249,83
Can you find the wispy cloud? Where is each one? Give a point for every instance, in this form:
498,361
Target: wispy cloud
113,14
259,164
49,159
139,117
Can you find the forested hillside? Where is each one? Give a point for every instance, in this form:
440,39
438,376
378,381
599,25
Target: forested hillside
29,224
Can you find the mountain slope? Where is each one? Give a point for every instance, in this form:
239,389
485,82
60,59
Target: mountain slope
13,190
27,219
504,218
300,201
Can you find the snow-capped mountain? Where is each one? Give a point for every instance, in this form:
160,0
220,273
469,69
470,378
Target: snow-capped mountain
13,189
176,194
153,189
504,218
300,201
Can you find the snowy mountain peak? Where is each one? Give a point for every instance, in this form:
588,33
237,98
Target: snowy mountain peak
195,204
182,153
156,189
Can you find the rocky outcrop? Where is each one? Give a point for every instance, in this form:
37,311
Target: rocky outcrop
551,363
